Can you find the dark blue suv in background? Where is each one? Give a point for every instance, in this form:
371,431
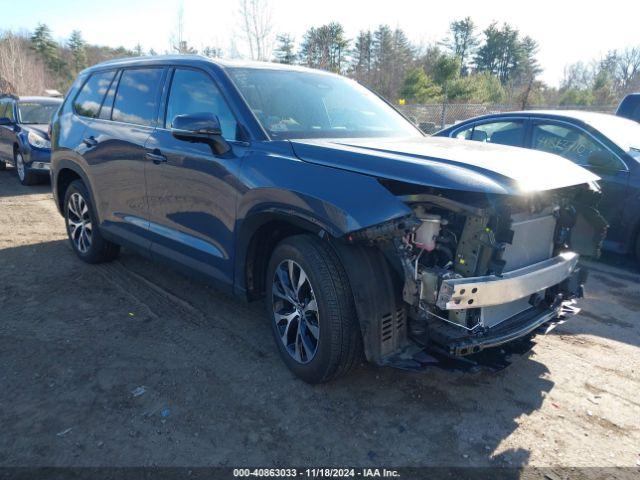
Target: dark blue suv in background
24,135
306,189
607,145
630,107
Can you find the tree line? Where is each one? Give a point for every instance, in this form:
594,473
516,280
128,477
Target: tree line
494,65
33,62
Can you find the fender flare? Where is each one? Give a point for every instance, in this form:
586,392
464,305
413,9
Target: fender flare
249,226
65,164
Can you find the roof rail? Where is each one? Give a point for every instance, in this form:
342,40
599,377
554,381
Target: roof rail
9,95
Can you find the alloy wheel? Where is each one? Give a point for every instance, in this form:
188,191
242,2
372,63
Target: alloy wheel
20,167
295,311
79,222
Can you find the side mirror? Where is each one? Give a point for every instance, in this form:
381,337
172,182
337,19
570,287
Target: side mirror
5,121
200,127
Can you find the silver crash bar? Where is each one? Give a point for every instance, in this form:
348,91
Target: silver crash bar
473,292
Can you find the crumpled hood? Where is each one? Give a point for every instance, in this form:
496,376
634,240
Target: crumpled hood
40,129
446,163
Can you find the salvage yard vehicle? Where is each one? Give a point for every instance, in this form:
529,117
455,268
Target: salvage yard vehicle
24,137
630,107
306,189
607,145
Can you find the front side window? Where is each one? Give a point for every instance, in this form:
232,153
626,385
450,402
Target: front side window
87,102
137,96
36,113
6,109
572,144
503,133
194,92
303,104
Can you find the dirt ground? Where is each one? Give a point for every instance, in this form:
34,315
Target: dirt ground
132,364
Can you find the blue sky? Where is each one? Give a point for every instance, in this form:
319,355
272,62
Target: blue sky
567,31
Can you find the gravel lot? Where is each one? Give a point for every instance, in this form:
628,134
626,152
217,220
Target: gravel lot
76,340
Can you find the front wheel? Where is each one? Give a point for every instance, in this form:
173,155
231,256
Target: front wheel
25,175
311,307
82,227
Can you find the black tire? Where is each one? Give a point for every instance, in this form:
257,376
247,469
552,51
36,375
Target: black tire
3,165
339,346
25,175
97,249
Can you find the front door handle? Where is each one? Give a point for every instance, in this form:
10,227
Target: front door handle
90,141
156,157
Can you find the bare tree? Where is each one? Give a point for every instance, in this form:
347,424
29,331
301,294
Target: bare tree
628,66
256,24
21,73
177,40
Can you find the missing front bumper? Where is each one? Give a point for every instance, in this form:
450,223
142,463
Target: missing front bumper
492,352
517,327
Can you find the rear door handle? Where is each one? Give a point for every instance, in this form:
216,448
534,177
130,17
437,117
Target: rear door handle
156,157
90,141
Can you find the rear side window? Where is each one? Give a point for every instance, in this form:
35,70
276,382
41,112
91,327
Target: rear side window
89,99
503,133
573,144
137,96
6,109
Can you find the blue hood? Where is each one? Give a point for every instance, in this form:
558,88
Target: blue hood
446,163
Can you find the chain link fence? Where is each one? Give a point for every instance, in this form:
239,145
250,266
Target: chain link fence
434,117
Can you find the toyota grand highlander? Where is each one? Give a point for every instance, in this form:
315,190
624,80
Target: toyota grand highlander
364,237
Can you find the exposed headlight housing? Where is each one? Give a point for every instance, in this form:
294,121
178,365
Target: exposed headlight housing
37,141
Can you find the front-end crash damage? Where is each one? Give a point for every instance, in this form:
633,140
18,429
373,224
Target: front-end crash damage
467,271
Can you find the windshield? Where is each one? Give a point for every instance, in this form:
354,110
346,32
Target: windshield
624,133
298,104
34,112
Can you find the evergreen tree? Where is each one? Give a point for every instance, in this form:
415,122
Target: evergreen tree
44,45
462,42
500,53
325,47
383,60
362,55
285,49
77,47
402,60
418,87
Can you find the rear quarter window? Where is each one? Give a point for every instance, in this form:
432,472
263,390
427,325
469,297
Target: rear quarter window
87,102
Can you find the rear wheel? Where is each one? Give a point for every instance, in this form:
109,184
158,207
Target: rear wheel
311,307
82,227
25,175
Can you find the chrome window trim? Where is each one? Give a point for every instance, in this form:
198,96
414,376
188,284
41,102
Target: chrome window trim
485,122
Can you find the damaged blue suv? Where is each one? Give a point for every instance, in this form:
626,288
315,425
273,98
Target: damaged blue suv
364,237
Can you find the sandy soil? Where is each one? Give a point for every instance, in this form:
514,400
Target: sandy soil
76,340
